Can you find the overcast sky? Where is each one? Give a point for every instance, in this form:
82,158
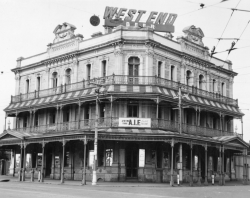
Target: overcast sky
27,27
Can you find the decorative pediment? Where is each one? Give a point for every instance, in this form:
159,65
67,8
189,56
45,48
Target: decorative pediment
64,32
237,142
194,34
7,136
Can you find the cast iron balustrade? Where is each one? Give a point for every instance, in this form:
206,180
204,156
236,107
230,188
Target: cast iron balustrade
103,123
124,80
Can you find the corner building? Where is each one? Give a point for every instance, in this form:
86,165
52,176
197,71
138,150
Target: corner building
127,75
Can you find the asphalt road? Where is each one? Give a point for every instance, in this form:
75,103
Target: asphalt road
30,190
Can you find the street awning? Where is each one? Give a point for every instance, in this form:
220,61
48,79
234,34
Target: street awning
126,89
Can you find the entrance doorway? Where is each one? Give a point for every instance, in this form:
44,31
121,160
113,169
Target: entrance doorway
48,164
132,161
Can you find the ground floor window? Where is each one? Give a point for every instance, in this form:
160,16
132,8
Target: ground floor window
91,158
39,159
18,160
166,159
57,161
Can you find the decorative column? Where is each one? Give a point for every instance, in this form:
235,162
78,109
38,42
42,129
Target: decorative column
21,160
33,120
220,172
191,164
223,166
57,117
79,114
42,168
84,162
172,163
111,110
30,120
199,167
24,161
60,118
17,121
62,173
245,167
205,183
157,111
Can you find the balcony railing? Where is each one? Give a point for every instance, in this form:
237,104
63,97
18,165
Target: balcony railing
124,80
114,122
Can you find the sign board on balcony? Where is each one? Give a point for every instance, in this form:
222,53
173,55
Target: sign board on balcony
135,122
161,22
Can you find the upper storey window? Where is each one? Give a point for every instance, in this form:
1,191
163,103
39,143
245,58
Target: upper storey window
54,79
214,85
27,86
172,73
104,63
201,82
159,69
68,76
38,83
88,71
223,88
133,68
189,78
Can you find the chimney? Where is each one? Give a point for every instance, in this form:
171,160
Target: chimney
19,60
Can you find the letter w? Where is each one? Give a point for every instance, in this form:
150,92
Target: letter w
109,12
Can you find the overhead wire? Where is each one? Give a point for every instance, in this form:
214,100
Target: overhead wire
202,8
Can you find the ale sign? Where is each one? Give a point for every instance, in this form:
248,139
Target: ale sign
135,122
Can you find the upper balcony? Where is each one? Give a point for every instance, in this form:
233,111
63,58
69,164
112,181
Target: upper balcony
169,127
125,80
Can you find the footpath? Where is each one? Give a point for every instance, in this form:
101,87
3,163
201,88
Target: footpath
4,178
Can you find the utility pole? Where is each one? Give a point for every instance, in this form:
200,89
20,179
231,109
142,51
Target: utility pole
179,97
94,179
97,91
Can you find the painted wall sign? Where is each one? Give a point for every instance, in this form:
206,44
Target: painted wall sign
161,22
135,122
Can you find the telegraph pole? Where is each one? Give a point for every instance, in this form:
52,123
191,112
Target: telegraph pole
179,97
180,131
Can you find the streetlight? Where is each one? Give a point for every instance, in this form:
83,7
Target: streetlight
97,91
180,106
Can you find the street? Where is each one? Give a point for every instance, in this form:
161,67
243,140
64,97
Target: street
23,189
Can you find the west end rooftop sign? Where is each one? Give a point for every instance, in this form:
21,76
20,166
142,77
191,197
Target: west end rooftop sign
161,22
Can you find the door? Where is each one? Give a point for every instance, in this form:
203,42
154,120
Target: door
48,164
132,161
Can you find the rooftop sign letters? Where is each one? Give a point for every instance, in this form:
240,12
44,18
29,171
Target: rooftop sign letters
161,22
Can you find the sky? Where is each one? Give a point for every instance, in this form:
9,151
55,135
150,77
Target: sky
27,27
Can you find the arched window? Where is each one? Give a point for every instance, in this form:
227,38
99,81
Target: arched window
223,88
159,69
133,66
88,71
27,86
172,73
189,78
133,69
68,76
201,82
104,63
214,85
54,79
38,83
